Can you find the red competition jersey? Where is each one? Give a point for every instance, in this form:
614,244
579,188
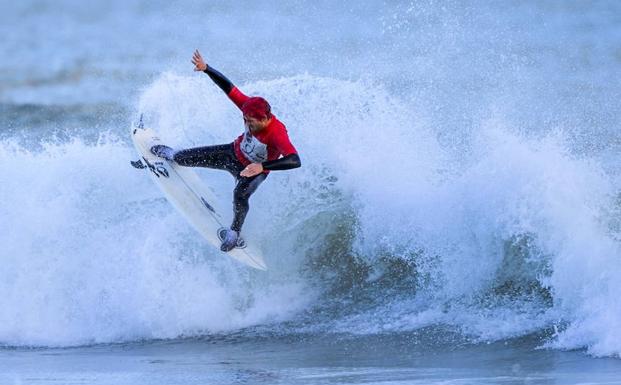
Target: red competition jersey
267,144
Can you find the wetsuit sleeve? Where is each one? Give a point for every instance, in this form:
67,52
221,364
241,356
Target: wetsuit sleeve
227,86
221,81
285,163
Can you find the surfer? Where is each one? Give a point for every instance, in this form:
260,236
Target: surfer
264,146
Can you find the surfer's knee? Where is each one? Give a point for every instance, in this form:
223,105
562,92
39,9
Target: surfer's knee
183,158
240,196
242,191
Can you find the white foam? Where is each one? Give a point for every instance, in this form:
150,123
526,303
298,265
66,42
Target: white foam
93,254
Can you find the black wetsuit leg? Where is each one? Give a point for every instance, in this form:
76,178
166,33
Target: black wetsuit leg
245,187
222,157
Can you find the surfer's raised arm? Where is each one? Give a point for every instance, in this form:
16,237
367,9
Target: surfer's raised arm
221,81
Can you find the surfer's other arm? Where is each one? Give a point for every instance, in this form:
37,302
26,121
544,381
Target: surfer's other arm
285,163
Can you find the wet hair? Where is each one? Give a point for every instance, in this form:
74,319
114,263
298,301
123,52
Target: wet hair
257,108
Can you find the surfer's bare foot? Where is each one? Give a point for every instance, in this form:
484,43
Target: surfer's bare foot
163,151
229,239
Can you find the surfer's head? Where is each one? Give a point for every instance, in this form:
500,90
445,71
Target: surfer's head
257,113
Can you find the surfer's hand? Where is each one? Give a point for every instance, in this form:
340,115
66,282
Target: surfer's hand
198,62
251,170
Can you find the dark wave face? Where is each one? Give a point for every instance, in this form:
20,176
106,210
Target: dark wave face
459,174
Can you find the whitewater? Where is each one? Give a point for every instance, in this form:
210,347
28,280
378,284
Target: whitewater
459,187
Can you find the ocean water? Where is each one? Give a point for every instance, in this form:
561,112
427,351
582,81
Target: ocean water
457,218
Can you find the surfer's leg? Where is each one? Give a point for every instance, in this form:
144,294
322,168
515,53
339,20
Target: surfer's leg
245,187
221,156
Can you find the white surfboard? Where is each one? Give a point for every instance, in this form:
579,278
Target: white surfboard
189,195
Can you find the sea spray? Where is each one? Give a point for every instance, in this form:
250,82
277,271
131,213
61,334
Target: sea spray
384,229
92,253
